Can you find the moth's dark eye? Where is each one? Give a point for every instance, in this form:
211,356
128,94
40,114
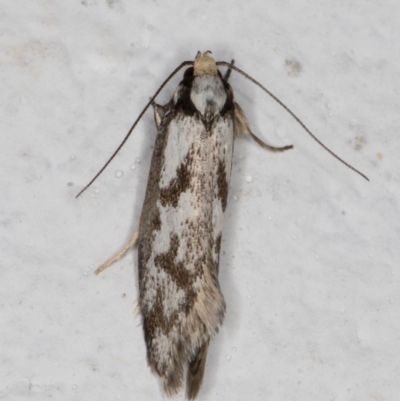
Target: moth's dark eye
188,73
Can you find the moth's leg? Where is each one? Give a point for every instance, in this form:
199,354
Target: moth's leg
159,113
121,254
269,147
228,71
195,372
242,128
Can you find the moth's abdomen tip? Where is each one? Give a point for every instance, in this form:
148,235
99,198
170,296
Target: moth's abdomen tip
195,372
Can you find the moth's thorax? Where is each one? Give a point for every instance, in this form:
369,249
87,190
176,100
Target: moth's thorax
208,94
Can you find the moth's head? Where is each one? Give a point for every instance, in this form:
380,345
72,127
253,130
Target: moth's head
204,64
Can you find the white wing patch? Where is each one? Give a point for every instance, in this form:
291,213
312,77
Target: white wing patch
181,134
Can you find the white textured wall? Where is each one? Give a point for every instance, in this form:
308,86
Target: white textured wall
310,269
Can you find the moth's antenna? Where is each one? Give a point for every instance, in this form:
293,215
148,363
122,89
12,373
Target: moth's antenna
135,123
231,66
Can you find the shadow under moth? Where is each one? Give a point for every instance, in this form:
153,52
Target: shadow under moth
180,228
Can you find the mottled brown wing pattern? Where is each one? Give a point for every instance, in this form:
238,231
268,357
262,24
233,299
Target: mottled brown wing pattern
180,230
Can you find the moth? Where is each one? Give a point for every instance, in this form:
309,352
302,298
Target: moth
180,229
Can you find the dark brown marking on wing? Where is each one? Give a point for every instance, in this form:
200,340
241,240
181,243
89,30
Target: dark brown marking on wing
152,322
179,184
222,184
154,319
217,249
176,270
156,222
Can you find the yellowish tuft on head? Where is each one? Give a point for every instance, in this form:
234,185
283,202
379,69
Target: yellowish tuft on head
204,64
